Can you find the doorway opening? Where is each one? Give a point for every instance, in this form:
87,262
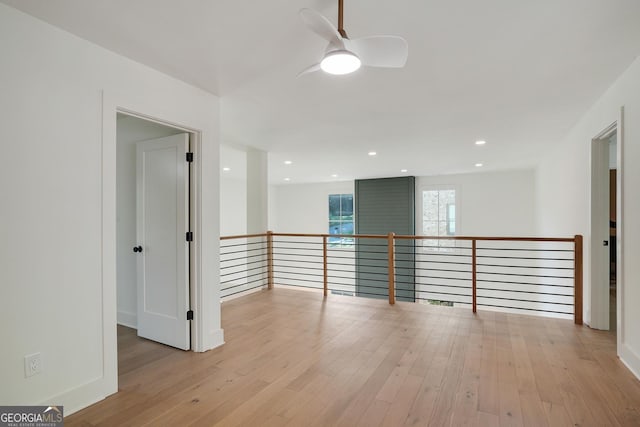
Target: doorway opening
153,216
605,229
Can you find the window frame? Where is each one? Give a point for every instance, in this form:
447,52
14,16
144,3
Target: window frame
420,211
341,244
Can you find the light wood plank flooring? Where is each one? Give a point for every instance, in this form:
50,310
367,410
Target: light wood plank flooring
292,358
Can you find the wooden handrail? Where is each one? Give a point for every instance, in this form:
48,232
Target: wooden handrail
243,236
410,237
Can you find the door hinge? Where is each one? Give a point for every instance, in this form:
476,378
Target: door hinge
189,236
190,315
189,157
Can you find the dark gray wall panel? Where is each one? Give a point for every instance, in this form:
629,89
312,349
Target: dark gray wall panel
383,206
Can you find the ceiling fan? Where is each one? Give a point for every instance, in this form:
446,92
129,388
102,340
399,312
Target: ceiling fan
344,55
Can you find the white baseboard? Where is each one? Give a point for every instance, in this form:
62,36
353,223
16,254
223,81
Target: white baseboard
630,360
80,397
216,338
129,320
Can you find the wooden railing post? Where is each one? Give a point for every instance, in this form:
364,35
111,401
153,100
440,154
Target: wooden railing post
392,268
577,279
474,271
269,260
324,265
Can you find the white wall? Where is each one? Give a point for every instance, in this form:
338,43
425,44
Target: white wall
233,191
563,198
489,203
58,213
304,208
130,130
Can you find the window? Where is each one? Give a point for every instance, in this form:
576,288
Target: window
341,219
439,216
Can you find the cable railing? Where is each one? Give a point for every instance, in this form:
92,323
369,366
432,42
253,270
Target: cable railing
244,264
540,276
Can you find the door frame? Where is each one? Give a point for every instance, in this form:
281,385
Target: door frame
598,219
201,122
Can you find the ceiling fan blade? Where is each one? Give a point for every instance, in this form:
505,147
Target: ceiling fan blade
319,25
380,51
311,69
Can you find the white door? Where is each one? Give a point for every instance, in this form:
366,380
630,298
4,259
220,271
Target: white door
162,217
600,234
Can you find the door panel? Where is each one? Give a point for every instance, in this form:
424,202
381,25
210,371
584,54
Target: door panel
162,223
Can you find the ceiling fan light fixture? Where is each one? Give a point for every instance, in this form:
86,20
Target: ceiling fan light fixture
340,62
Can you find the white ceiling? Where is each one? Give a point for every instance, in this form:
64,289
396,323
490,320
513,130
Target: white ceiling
517,74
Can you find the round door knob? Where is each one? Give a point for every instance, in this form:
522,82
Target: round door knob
137,249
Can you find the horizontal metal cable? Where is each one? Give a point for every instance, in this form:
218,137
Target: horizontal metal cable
523,283
317,253
298,242
299,267
519,291
439,293
422,256
261,242
242,257
243,251
245,271
241,291
531,258
522,308
525,300
443,286
297,260
295,278
263,275
244,263
524,266
525,275
522,249
443,269
245,283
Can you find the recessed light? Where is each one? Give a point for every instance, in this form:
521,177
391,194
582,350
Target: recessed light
478,165
404,170
372,153
226,169
287,179
335,175
481,142
287,162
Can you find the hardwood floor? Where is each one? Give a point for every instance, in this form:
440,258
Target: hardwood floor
292,358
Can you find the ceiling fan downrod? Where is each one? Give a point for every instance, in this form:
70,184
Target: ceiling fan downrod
341,30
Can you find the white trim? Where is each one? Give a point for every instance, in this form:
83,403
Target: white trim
164,109
130,320
599,229
620,282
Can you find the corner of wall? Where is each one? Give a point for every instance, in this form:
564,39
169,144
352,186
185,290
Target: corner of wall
130,320
630,359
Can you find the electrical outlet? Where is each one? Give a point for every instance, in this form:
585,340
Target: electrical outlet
32,364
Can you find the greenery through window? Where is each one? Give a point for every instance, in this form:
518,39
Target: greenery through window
438,217
341,219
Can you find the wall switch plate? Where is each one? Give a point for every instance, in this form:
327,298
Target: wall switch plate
32,364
